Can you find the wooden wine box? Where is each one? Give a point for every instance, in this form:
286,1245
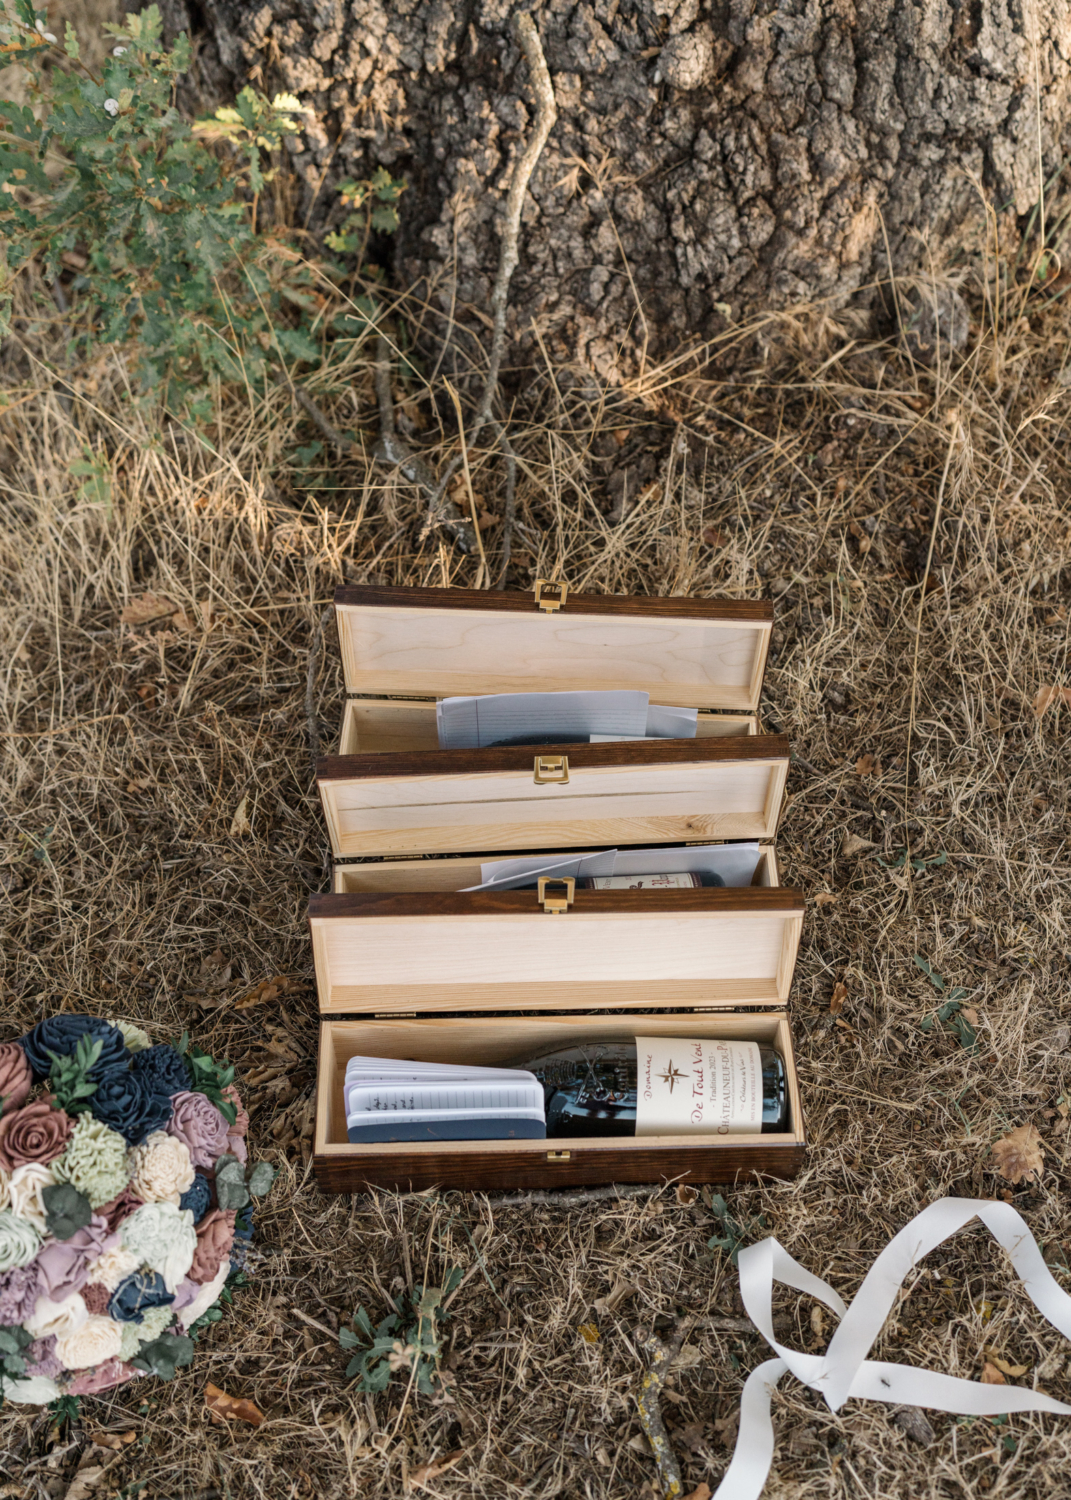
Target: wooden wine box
409,964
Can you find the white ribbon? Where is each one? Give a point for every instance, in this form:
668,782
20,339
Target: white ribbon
843,1370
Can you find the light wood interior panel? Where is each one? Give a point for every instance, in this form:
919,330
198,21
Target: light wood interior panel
535,961
498,1040
402,876
381,726
698,662
606,805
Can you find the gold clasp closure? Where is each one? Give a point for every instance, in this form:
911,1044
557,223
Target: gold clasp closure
551,768
558,1155
560,902
552,605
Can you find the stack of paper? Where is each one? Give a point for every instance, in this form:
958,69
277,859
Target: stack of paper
734,863
390,1099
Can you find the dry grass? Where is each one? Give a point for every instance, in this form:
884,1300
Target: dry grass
804,461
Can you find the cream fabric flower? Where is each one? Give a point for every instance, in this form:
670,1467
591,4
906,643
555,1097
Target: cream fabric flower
19,1241
5,1189
161,1169
98,1339
25,1189
163,1238
136,1040
207,1297
59,1318
114,1266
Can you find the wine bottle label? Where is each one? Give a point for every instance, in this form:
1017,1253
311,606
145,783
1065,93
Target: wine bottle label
697,1085
643,882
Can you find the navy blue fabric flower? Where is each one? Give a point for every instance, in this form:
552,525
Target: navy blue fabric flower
162,1069
60,1034
123,1102
137,1295
198,1198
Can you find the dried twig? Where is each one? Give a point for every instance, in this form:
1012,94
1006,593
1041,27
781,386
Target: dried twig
546,115
660,1357
509,514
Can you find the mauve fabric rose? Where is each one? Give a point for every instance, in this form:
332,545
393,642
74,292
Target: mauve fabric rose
124,1103
18,1294
241,1123
16,1076
197,1121
41,1358
60,1034
237,1147
198,1197
36,1132
137,1295
105,1377
215,1236
161,1069
63,1266
119,1208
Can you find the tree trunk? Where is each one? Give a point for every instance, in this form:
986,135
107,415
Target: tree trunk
709,160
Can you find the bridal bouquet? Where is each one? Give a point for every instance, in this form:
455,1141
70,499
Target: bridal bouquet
124,1204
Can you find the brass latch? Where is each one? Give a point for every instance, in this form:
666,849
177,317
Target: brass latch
558,1155
556,904
551,768
552,605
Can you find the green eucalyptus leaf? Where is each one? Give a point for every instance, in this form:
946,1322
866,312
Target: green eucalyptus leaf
66,1210
261,1178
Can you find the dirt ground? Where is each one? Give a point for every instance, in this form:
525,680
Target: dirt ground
161,839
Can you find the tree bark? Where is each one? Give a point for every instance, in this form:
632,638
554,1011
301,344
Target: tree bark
709,160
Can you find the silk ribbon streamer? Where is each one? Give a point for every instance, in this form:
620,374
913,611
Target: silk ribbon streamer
844,1371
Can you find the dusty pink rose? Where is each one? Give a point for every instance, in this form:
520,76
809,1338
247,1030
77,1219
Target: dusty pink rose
197,1121
119,1209
36,1132
64,1265
16,1076
237,1147
105,1377
241,1124
215,1236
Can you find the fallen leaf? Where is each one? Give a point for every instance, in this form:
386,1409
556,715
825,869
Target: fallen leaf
639,1444
853,844
146,608
837,999
1058,616
865,542
712,537
1047,694
620,1292
240,823
1006,1367
689,1356
686,1194
868,765
693,1435
1019,1154
113,1440
991,1375
825,898
969,1013
913,1421
87,1479
265,991
236,1408
436,1467
487,519
589,1332
202,618
701,1492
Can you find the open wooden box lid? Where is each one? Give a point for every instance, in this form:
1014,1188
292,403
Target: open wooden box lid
610,950
691,653
553,796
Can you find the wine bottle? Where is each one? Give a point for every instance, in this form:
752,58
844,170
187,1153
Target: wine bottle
662,1086
683,881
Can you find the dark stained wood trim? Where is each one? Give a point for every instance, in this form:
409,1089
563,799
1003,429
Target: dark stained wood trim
586,1166
710,900
741,611
653,753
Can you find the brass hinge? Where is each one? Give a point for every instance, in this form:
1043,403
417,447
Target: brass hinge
552,605
556,904
394,1015
551,768
558,1155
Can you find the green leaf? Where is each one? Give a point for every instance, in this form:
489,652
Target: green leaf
231,1190
261,1178
362,1321
347,1338
70,42
165,1355
66,1210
